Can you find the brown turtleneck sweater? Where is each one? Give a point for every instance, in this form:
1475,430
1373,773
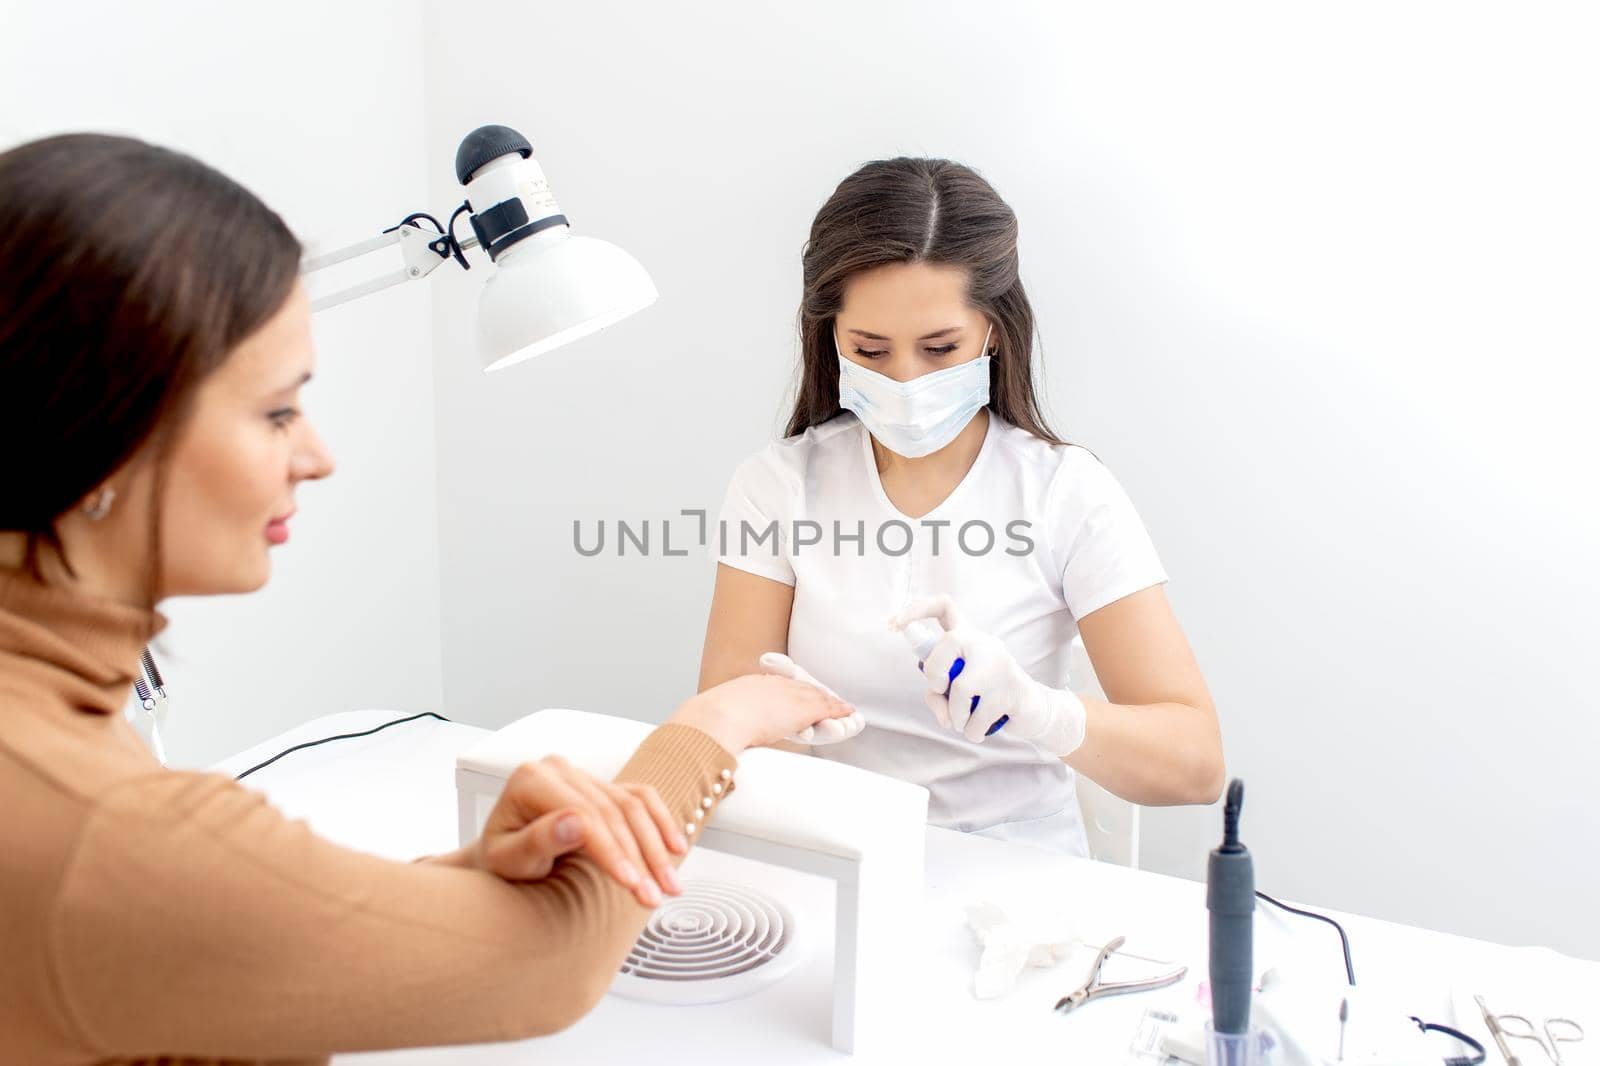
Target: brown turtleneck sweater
152,914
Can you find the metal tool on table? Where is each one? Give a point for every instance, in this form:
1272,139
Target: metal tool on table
1556,1031
1094,988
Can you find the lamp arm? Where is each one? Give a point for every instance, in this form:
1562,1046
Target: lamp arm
421,250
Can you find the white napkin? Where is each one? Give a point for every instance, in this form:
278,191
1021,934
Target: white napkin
1012,942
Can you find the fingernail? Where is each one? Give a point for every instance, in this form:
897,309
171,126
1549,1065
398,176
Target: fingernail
569,829
652,894
630,876
669,878
680,843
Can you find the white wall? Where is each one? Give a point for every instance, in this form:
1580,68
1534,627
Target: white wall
316,107
1317,284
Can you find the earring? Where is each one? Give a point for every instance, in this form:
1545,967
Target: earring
99,505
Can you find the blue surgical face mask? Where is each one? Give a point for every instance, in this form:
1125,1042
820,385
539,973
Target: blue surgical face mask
917,417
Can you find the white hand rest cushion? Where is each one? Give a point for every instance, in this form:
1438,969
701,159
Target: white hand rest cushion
781,797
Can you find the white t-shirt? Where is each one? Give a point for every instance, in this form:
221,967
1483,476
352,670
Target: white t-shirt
1036,536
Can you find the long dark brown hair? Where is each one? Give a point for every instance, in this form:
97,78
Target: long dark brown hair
128,274
917,211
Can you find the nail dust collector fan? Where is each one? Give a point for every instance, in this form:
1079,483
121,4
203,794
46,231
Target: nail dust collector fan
723,939
718,941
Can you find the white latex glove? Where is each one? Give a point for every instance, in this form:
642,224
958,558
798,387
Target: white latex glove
828,731
991,684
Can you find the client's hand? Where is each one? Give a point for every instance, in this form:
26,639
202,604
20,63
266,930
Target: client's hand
549,808
831,731
759,709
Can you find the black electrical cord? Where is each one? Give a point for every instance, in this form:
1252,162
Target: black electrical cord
1459,1060
450,235
341,736
1349,969
411,220
1480,1053
446,245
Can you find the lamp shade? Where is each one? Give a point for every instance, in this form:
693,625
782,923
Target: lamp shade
552,288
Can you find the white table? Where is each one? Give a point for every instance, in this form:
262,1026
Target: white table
393,794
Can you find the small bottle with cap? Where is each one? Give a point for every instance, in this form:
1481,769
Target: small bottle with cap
924,634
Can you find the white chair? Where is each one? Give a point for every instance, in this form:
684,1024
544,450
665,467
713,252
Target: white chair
1110,822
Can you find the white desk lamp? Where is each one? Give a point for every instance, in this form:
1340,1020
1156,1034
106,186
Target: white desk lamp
549,286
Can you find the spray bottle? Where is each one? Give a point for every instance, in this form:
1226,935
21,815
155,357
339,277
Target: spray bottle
924,634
